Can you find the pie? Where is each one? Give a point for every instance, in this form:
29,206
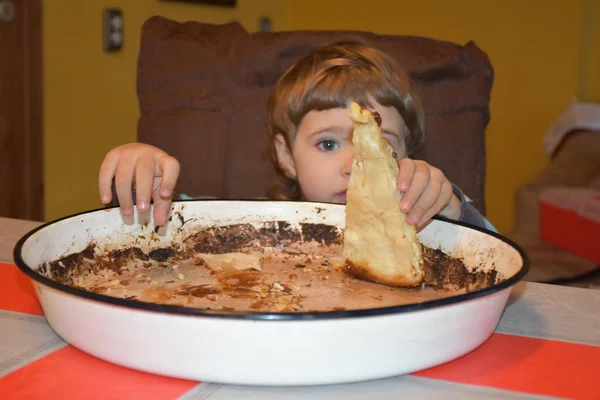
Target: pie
379,245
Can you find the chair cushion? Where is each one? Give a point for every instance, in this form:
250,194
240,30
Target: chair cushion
203,92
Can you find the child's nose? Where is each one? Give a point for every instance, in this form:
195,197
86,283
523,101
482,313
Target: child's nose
347,165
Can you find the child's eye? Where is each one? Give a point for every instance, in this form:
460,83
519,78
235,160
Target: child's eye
328,145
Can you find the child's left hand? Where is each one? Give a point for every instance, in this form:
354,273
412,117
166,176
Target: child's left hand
426,192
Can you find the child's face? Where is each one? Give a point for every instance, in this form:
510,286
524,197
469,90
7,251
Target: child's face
321,155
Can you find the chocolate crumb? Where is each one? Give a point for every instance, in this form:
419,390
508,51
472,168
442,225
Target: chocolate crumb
377,117
161,254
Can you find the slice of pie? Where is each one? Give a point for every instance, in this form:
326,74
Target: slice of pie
379,245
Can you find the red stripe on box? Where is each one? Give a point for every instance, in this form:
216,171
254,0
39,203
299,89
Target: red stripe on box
524,364
16,291
568,230
69,373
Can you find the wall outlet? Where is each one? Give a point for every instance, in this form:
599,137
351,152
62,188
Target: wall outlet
265,24
113,29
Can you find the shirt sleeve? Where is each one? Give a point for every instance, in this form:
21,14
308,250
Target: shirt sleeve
470,214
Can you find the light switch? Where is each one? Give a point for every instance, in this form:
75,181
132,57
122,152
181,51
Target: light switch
113,29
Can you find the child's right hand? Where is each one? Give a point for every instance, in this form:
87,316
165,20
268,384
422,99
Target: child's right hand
153,172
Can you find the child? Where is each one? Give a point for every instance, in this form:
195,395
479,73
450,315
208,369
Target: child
311,140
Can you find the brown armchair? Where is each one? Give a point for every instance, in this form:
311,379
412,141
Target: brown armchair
203,93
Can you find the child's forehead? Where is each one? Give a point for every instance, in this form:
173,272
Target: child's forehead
391,120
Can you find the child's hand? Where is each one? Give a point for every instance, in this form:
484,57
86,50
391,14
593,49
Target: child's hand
426,191
153,171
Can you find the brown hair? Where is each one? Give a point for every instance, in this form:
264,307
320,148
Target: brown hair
331,76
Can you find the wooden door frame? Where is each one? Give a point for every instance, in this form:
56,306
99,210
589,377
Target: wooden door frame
33,199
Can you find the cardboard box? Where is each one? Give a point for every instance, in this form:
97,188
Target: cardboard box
570,219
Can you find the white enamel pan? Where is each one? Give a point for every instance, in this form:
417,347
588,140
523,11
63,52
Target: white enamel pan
266,348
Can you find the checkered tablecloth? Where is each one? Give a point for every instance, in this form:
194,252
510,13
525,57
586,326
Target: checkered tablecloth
547,345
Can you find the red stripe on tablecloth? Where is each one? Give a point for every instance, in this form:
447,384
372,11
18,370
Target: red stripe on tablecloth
524,364
71,374
16,291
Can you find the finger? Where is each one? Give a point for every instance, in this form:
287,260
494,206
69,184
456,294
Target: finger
418,184
106,175
144,178
440,204
406,168
162,207
124,183
425,202
170,173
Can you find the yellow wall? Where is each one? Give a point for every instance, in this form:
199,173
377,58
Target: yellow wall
589,57
533,46
90,104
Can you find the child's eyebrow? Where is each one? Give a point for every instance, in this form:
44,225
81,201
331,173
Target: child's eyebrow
333,129
344,130
391,133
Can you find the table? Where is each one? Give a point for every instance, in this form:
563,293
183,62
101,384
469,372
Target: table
547,345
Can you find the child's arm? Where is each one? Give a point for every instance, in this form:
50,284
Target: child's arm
470,214
153,172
